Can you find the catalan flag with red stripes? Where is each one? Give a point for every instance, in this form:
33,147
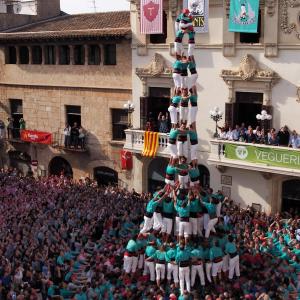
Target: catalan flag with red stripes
150,143
151,16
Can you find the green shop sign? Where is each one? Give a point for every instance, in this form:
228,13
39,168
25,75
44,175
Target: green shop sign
264,155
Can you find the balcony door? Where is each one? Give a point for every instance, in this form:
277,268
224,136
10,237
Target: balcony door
291,196
158,101
156,173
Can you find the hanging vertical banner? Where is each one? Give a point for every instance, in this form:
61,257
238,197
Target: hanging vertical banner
151,16
243,16
199,9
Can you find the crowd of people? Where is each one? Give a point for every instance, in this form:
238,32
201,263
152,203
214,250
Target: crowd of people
61,239
74,136
283,137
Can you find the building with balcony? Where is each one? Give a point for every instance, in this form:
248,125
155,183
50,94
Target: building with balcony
63,69
240,73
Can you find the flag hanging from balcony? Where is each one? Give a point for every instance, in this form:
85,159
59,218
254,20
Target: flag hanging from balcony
199,11
39,137
243,16
150,143
151,16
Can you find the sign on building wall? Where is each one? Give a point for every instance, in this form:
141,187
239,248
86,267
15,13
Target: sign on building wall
18,7
276,157
243,16
151,16
200,12
39,137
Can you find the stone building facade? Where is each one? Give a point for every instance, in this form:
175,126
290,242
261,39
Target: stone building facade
66,69
240,74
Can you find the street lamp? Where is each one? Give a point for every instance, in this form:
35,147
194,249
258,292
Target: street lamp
263,116
129,107
216,114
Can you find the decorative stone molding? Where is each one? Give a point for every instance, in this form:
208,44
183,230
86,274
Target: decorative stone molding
285,26
249,70
227,7
298,94
270,5
157,67
173,6
137,3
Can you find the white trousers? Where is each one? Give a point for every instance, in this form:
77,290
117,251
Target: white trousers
173,114
130,264
205,221
167,225
216,268
191,49
177,80
148,224
211,227
234,266
170,182
184,82
184,277
160,271
218,209
225,266
198,269
193,79
200,225
208,270
182,148
183,113
184,229
194,149
176,227
149,268
178,48
183,181
172,272
194,183
141,261
158,223
172,150
194,226
193,110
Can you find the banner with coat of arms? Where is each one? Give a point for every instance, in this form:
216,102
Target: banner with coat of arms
199,9
243,16
151,16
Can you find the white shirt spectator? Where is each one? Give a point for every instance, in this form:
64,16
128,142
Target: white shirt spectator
223,135
229,135
295,141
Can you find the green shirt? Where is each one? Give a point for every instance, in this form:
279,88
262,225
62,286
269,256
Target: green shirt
194,98
211,208
170,170
132,246
173,134
168,207
171,254
150,251
193,135
160,255
183,212
151,206
197,253
194,173
215,252
176,99
192,65
206,252
195,205
177,64
182,255
230,248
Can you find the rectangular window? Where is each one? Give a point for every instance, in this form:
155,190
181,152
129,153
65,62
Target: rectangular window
119,124
73,114
161,38
94,55
11,55
252,38
50,55
110,55
78,55
64,55
16,112
24,55
36,55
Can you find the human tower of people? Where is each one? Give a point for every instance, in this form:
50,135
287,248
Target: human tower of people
175,241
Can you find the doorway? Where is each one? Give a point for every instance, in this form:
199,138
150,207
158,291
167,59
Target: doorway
60,166
291,196
105,176
204,176
248,105
156,173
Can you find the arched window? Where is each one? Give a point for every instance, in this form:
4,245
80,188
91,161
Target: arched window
105,176
204,176
60,166
291,195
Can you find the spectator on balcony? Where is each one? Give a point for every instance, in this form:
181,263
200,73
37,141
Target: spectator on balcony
223,133
229,134
283,136
10,128
22,124
163,123
243,135
261,137
250,136
272,137
294,140
236,133
67,135
81,137
75,135
2,130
